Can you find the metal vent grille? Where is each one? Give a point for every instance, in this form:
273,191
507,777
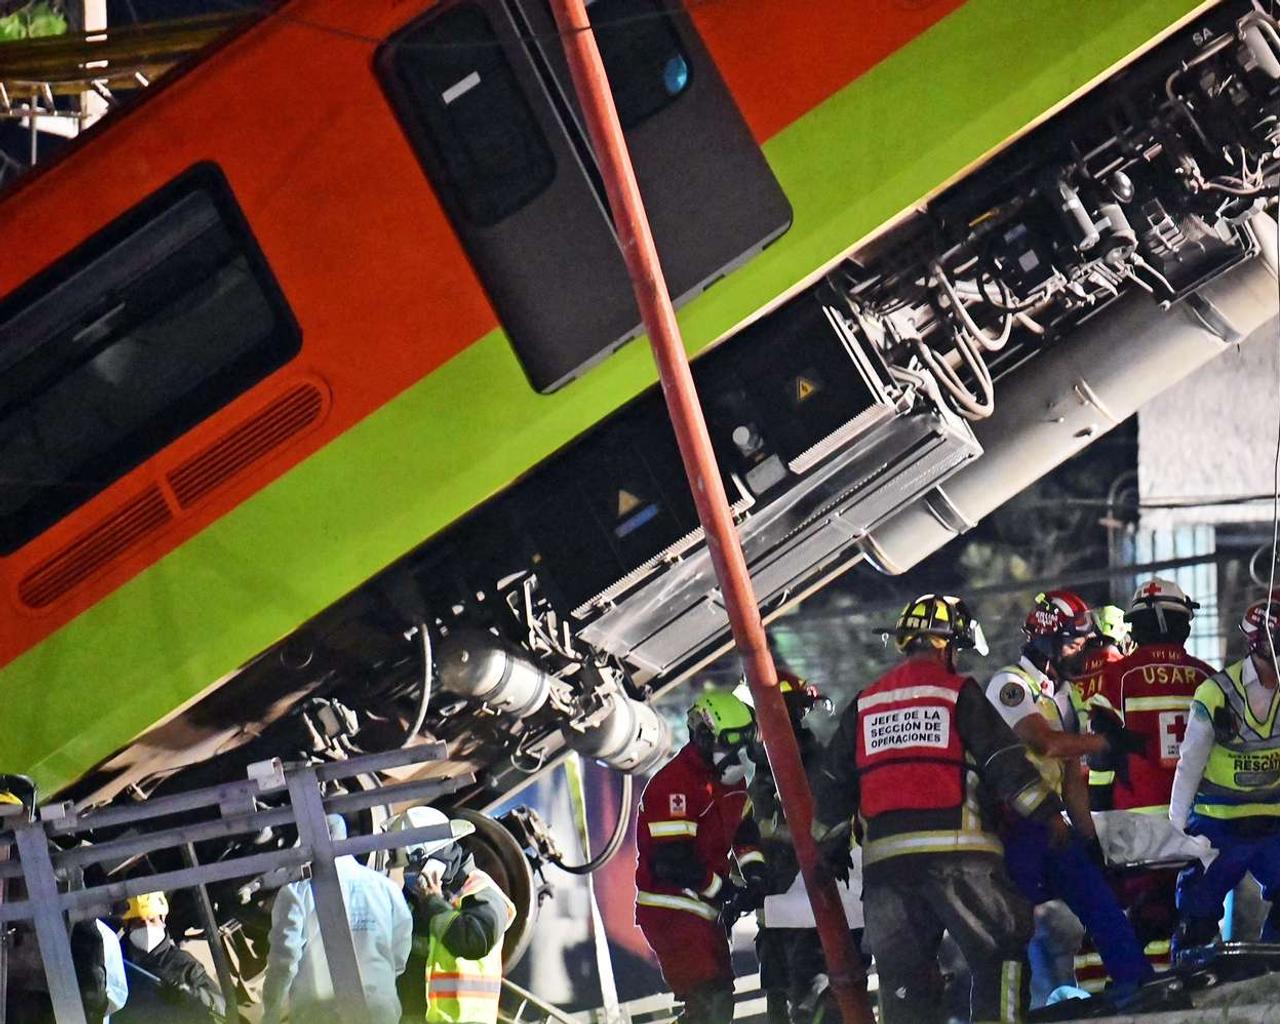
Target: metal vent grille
278,423
102,543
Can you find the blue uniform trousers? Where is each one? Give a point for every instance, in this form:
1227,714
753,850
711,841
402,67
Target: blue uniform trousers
1044,873
1245,846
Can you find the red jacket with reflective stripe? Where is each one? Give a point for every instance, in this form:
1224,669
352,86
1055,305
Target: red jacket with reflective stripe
909,754
1152,689
921,757
686,802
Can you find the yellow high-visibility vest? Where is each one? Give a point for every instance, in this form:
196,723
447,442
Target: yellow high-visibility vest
1242,776
462,991
1050,768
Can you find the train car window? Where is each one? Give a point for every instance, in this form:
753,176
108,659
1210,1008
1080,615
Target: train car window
483,93
464,98
647,67
126,343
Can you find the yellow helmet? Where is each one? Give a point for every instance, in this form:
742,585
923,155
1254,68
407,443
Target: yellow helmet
939,619
147,904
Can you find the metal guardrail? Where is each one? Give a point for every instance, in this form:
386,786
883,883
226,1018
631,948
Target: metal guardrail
46,869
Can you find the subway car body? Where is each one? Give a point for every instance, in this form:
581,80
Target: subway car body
321,430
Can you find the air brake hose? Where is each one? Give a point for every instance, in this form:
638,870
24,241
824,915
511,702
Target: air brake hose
428,669
615,841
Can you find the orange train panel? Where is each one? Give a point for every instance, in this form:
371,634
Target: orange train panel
291,111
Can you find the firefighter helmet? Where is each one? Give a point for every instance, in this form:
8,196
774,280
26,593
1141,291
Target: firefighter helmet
146,905
1261,626
718,718
943,620
800,695
17,791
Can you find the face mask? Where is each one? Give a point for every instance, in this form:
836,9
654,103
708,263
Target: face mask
732,766
147,936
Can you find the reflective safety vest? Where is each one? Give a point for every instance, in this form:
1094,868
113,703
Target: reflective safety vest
918,790
1050,768
461,991
1242,776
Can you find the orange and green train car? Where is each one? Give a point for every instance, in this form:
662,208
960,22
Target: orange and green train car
297,309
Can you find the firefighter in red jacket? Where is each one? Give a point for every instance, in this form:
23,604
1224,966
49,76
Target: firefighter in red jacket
921,756
694,825
1151,691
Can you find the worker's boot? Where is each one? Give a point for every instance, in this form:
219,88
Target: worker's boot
710,1004
1192,934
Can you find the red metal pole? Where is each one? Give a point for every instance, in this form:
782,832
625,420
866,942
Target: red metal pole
844,968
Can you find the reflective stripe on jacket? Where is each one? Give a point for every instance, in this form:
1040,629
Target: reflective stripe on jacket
461,990
1242,776
686,803
920,792
1152,690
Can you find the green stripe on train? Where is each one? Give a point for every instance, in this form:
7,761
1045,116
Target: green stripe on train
330,523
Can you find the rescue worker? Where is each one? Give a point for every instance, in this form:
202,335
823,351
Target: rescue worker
95,948
1112,632
149,947
1108,643
99,967
381,930
1226,787
1151,690
694,816
460,915
793,969
1034,698
919,756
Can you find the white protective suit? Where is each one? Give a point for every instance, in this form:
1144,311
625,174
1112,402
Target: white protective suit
113,963
297,971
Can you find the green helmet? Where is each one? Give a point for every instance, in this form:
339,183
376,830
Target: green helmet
1111,624
721,719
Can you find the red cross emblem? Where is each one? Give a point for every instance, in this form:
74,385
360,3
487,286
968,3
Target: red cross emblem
1152,589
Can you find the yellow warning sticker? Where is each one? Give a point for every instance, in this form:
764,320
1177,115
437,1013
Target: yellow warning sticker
805,388
627,502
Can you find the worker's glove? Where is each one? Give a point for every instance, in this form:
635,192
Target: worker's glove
175,993
837,857
1121,742
755,878
735,901
834,848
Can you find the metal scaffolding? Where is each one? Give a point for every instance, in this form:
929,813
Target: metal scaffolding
51,852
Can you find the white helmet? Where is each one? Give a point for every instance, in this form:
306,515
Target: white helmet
1160,595
424,817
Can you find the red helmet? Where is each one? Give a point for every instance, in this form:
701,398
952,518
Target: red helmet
1262,619
1061,615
